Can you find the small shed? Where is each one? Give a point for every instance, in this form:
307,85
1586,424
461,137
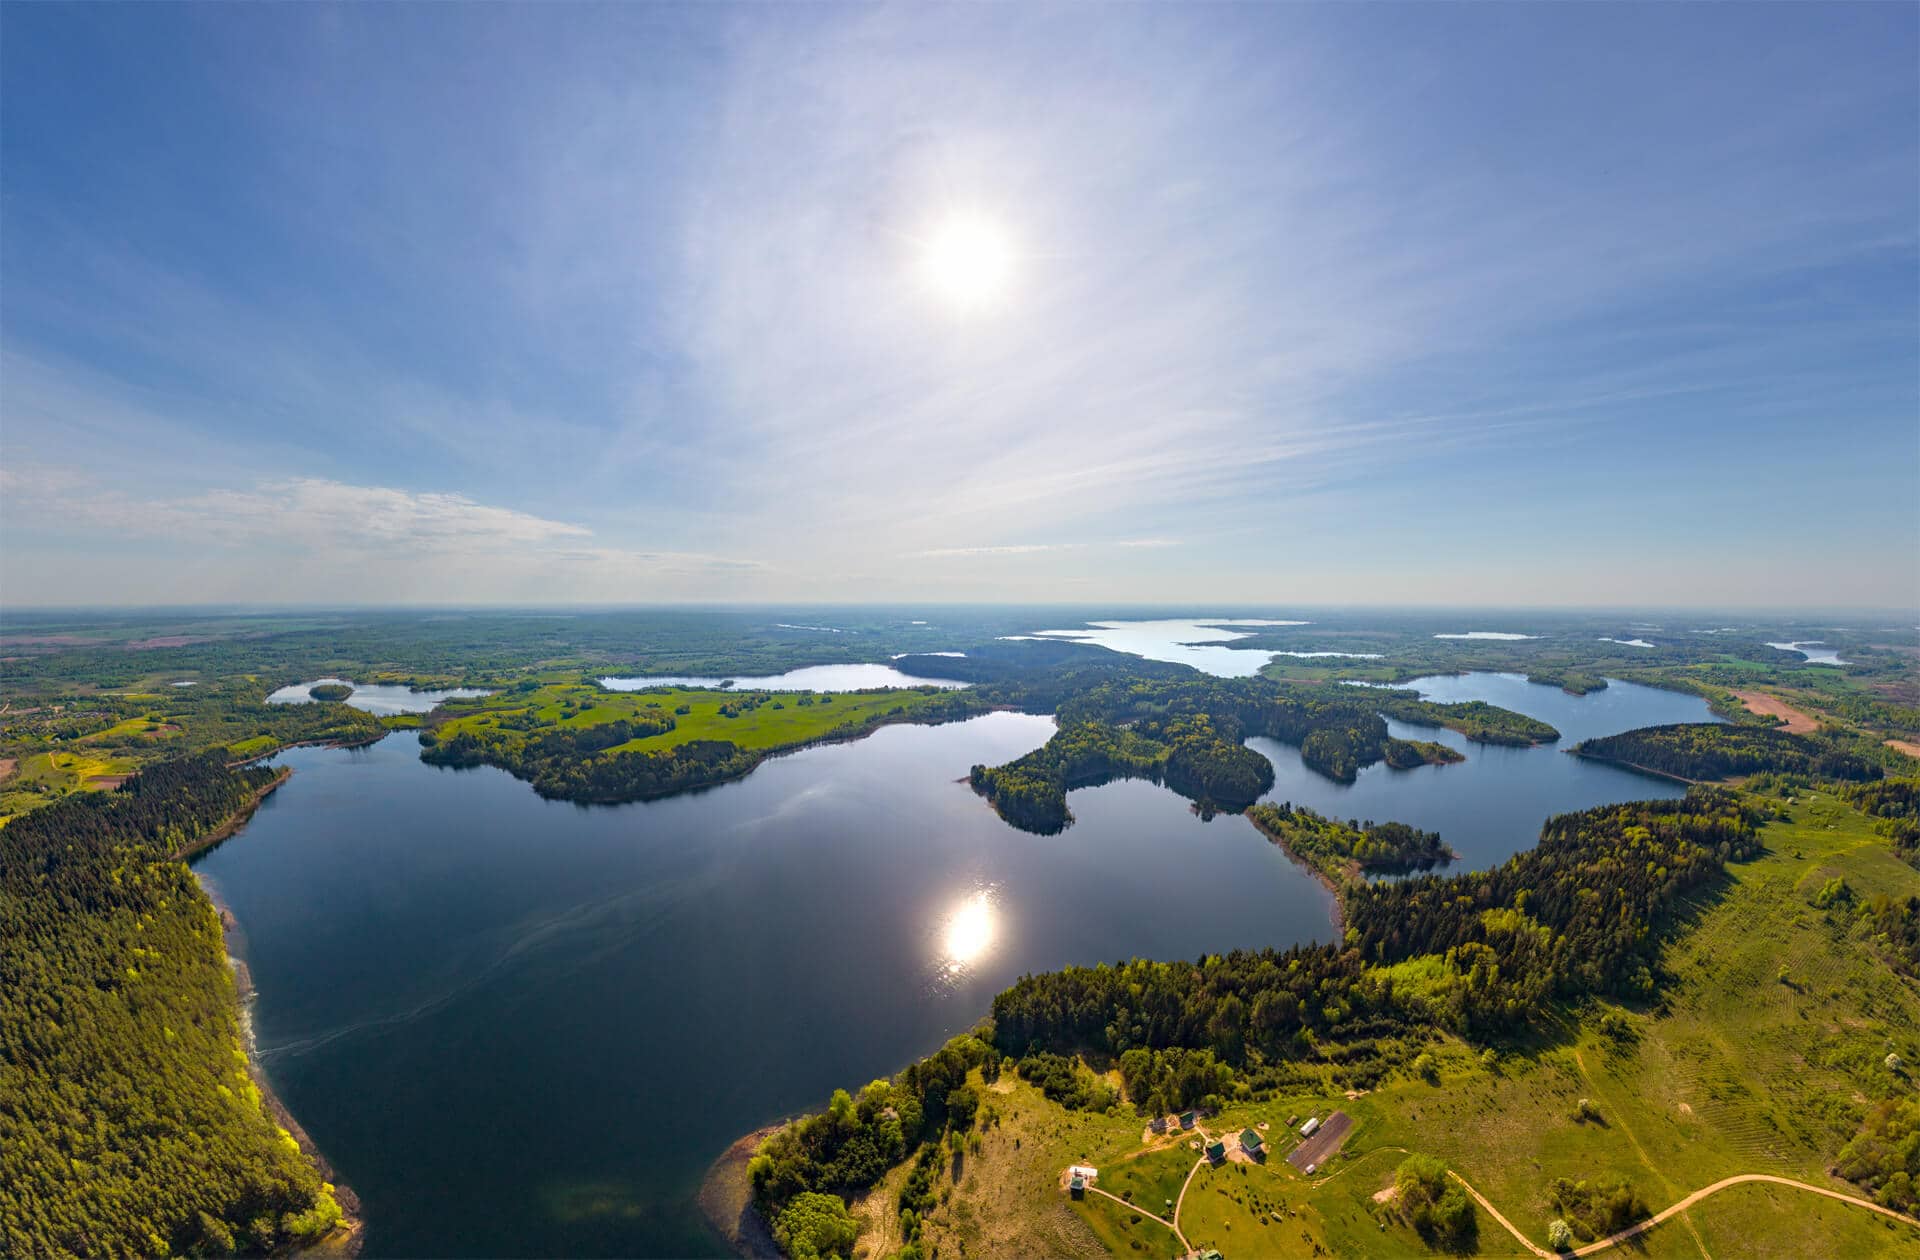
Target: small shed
1216,1151
1077,1188
1312,1124
1085,1172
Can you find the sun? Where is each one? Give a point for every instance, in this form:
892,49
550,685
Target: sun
967,261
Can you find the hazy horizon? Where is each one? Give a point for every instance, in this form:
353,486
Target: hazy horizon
507,306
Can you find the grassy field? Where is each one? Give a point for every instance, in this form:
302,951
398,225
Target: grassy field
780,722
1765,1051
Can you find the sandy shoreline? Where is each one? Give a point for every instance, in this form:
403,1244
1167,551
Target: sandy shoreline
726,1199
346,1239
1339,915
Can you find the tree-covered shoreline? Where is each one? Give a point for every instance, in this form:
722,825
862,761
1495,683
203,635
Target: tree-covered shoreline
129,1122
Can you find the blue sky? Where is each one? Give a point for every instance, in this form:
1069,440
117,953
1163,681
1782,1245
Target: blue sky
480,303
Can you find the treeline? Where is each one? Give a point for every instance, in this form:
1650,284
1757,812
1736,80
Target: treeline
1582,913
1189,734
1884,1157
842,1151
1161,1082
1031,791
128,1123
1342,851
1198,756
1714,750
1896,804
580,763
561,770
1479,721
1571,681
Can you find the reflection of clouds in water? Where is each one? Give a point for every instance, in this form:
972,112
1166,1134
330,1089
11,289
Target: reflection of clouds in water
612,924
788,807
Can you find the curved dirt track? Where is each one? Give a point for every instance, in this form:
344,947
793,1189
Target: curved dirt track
1722,1184
1635,1231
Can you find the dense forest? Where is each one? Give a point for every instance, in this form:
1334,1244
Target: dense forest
1198,756
1712,750
1568,918
844,1150
129,1125
1343,851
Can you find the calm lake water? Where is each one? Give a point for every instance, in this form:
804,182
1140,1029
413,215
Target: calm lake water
520,1026
812,678
378,698
1181,641
1491,805
1813,650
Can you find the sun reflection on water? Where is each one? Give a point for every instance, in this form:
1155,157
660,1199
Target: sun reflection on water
969,931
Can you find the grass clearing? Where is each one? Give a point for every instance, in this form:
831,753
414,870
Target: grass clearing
1739,1069
780,720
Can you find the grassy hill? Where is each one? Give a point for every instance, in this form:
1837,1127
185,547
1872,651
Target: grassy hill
1768,1042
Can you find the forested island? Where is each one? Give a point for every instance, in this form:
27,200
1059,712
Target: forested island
330,691
129,1122
1189,735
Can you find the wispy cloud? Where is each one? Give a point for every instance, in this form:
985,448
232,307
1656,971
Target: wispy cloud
368,543
1006,549
1279,271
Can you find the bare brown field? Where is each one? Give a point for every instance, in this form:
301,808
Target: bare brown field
1798,723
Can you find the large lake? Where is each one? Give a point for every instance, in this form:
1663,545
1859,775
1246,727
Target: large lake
1490,806
520,1026
523,1027
381,699
809,678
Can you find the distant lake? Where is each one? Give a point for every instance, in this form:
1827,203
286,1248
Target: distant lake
1183,641
812,678
1491,805
382,699
523,1027
1813,651
520,1026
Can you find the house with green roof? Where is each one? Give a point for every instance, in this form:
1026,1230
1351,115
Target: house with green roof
1250,1143
1216,1151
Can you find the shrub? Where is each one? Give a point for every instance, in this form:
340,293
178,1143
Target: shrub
814,1226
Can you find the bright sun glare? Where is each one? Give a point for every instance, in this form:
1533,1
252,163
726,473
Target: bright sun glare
969,930
967,261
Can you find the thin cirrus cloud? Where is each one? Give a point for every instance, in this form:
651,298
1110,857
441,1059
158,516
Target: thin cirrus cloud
1282,279
317,526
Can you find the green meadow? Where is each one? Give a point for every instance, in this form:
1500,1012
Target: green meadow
1769,1039
756,721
